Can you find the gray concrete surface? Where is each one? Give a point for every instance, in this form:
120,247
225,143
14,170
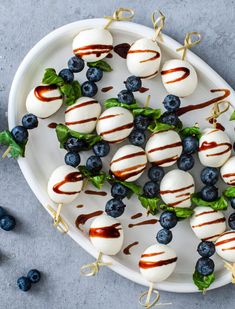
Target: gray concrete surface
35,243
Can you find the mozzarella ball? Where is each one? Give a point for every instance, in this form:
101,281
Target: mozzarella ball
144,58
227,172
164,148
64,184
225,246
214,147
176,188
115,124
207,223
43,101
106,235
179,77
157,263
93,44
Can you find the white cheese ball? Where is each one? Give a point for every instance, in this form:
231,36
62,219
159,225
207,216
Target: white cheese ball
176,188
115,124
227,172
64,184
164,148
214,147
106,235
207,223
43,101
93,44
82,116
128,163
157,263
144,58
179,77
225,246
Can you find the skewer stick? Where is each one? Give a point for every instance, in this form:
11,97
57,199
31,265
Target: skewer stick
147,303
121,14
147,101
92,269
6,152
231,268
58,221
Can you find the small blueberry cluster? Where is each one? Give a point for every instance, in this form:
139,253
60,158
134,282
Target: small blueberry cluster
209,176
205,266
115,207
7,222
25,283
168,220
20,133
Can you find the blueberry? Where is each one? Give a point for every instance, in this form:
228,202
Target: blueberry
232,202
185,162
76,64
133,83
94,74
7,223
74,144
168,219
114,208
101,149
141,122
205,266
89,89
234,146
119,191
67,75
24,284
20,134
94,164
156,173
137,137
171,103
34,275
2,212
151,189
231,221
72,159
170,118
30,121
190,144
209,175
206,249
126,96
164,236
209,193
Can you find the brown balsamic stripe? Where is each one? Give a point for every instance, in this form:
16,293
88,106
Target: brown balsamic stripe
40,90
81,105
126,250
132,155
109,116
213,131
152,254
206,145
106,89
176,190
129,172
229,175
230,248
156,56
101,193
81,121
72,177
143,89
205,213
211,237
122,49
136,216
96,49
179,202
183,194
178,144
148,264
124,127
180,69
225,241
151,221
150,75
111,231
220,220
83,218
167,160
117,141
80,206
129,169
52,125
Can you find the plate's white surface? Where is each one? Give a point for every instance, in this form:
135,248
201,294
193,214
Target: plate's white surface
43,154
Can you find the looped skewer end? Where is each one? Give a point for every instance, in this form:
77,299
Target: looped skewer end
121,14
189,42
58,221
216,111
231,268
158,24
92,269
146,302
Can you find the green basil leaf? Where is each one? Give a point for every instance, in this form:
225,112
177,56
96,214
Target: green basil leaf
114,102
134,188
51,78
229,192
71,92
232,117
101,64
157,126
181,213
193,131
151,204
203,282
16,150
219,204
147,111
97,180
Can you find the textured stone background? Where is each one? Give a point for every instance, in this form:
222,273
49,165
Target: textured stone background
35,243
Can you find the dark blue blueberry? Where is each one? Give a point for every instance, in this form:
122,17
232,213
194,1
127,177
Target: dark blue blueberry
114,208
94,74
156,173
137,137
234,146
151,189
2,212
171,103
7,223
164,236
126,96
74,144
209,175
231,221
141,122
206,249
76,64
72,159
101,149
209,193
34,275
170,118
205,266
67,75
232,202
190,144
133,83
119,191
185,162
94,164
30,121
24,284
168,219
89,89
20,134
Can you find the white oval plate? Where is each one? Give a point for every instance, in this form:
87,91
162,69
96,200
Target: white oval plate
43,154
